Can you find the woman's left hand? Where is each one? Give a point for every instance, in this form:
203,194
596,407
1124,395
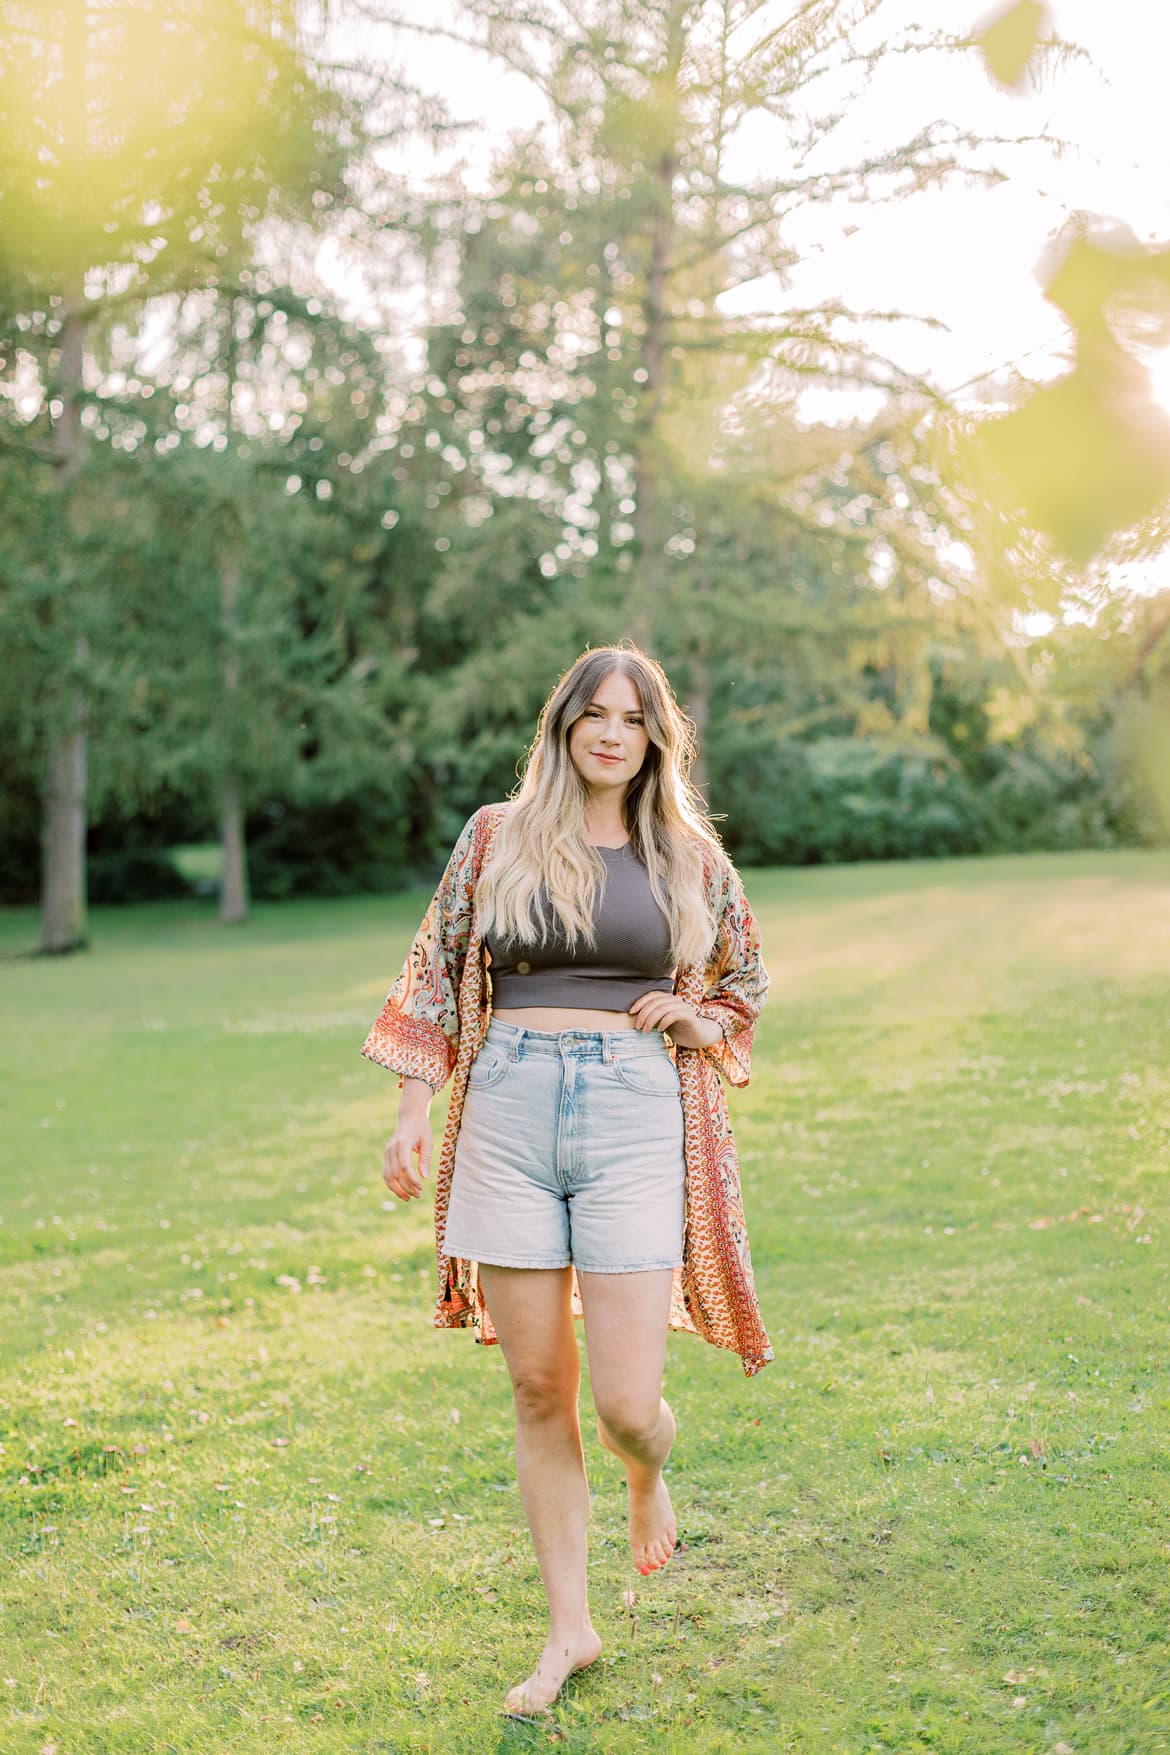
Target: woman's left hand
666,1011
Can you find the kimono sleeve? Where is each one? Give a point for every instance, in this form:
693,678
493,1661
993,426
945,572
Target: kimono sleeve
737,983
416,1033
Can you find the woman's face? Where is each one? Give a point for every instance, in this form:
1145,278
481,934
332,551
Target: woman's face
611,724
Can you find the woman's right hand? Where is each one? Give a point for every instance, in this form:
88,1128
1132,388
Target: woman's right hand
411,1138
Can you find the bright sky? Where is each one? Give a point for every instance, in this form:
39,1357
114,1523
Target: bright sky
964,254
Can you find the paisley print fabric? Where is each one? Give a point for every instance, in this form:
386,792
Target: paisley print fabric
432,1024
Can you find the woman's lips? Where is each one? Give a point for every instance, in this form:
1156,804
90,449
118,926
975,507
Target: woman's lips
600,758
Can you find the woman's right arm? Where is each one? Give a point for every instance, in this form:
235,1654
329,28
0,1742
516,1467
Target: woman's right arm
411,1138
416,1033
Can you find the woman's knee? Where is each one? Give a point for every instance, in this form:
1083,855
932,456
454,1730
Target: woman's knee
630,1421
543,1394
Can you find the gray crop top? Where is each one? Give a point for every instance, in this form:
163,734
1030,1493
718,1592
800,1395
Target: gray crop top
631,955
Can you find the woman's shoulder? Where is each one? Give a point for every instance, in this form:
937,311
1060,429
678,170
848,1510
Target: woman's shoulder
479,829
484,816
717,866
486,819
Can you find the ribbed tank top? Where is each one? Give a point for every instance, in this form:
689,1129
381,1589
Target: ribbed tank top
631,956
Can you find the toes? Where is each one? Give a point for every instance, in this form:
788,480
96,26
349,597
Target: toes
517,1704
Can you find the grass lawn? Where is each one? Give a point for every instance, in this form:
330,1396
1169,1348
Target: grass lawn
252,1499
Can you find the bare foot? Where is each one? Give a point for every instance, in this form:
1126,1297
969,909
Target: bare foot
560,1658
653,1529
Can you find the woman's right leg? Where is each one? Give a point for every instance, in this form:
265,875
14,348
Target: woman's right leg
530,1310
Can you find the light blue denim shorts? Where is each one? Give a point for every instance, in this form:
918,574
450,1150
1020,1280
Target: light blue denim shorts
570,1149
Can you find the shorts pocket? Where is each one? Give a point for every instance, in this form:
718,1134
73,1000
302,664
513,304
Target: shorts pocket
650,1075
488,1068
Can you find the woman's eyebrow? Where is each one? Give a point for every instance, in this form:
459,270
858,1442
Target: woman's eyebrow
600,705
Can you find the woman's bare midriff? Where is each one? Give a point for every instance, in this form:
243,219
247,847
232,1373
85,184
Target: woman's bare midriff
535,1017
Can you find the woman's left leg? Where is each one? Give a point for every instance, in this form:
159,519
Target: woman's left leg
625,1333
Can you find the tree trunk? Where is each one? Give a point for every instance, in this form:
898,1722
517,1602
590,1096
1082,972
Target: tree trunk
64,925
647,533
63,912
699,706
233,894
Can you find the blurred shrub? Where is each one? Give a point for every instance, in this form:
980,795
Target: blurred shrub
1045,804
844,799
355,846
20,844
136,874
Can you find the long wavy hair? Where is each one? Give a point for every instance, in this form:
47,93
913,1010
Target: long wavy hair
542,840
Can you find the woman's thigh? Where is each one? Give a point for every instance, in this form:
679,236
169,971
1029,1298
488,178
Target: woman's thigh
626,1321
531,1312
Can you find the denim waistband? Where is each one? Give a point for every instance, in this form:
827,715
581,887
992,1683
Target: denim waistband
604,1045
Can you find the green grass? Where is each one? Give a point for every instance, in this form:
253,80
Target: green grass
251,1497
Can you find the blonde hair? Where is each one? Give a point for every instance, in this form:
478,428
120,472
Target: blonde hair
542,837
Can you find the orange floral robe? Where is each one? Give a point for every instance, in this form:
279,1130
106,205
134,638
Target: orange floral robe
432,1025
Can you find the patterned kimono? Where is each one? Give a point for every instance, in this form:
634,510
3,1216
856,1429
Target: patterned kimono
434,1020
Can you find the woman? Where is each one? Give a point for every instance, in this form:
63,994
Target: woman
588,1168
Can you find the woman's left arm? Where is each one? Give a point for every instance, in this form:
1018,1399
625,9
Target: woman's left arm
722,1022
737,983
